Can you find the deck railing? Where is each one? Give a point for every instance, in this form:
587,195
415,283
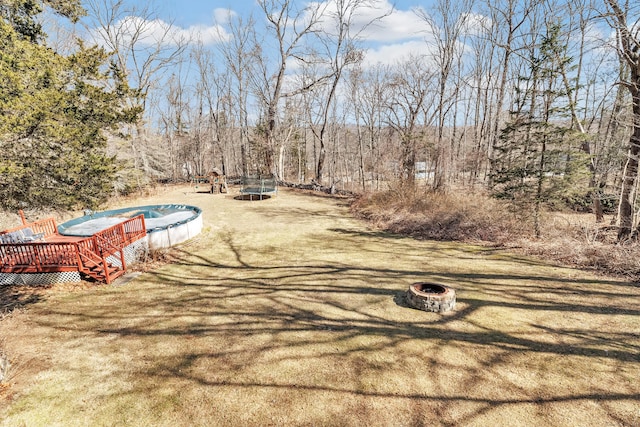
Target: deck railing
47,226
38,257
45,257
89,257
112,239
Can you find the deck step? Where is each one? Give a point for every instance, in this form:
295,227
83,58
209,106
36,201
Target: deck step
93,267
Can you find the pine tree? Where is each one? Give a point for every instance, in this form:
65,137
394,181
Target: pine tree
55,113
22,15
538,159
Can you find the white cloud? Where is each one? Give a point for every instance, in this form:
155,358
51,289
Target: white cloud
475,23
395,53
376,20
398,25
387,34
405,34
160,32
223,16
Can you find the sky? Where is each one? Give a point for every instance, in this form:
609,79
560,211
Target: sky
202,12
393,38
399,34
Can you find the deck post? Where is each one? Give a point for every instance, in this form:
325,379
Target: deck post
123,234
78,257
122,259
36,255
106,271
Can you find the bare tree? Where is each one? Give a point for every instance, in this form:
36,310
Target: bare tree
143,48
412,95
508,21
240,53
368,95
209,121
586,101
340,41
173,126
288,26
627,27
447,23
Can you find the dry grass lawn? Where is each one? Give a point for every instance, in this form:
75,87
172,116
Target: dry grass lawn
290,312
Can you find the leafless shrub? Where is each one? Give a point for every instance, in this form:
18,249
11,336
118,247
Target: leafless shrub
439,216
620,260
155,258
570,239
10,219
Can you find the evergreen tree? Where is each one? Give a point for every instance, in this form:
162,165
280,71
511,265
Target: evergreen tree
54,116
539,159
22,15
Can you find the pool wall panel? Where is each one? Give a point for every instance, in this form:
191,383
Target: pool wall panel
173,235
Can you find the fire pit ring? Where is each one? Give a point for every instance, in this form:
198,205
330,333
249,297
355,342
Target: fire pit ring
431,297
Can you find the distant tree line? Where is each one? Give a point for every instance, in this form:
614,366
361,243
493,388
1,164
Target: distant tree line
538,102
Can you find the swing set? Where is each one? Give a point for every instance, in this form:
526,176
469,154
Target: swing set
216,181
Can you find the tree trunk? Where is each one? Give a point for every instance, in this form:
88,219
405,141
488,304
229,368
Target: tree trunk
320,165
630,177
628,52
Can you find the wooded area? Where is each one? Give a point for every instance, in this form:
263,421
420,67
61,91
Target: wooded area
536,101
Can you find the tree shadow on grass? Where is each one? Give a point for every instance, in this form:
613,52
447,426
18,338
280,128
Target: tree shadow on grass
14,297
501,291
238,323
330,286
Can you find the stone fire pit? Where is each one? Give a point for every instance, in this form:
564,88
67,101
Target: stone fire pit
431,297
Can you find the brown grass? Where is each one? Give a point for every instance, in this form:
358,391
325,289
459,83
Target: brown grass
571,239
462,216
290,312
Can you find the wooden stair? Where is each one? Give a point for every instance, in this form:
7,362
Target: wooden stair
98,268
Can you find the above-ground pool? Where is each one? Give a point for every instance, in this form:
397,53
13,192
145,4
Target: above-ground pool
166,225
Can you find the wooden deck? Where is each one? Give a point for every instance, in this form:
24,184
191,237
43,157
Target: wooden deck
59,253
61,238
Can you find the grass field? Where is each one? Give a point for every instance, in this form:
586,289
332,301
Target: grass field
288,311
